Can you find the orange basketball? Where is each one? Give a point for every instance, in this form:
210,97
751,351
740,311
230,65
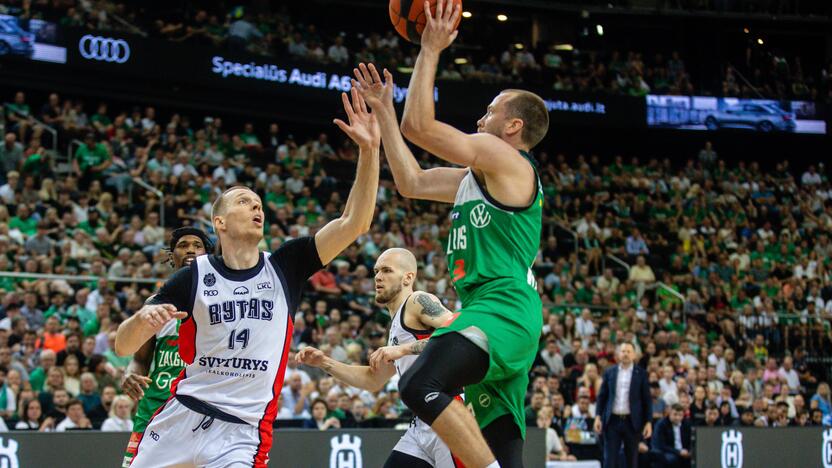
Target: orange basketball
408,17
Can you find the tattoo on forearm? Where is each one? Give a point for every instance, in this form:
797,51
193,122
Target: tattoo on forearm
430,307
418,346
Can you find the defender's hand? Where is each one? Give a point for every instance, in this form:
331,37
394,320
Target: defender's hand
376,93
363,127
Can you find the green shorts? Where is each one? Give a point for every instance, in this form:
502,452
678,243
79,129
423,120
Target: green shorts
509,312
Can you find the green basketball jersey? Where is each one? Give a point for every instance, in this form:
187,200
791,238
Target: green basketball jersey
164,369
489,241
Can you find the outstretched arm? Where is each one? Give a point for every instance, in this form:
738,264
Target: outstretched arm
339,233
135,331
372,379
437,184
481,151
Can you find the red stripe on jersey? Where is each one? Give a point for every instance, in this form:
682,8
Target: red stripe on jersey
448,322
422,337
266,426
187,340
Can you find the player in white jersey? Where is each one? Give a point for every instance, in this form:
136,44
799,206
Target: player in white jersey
414,317
237,315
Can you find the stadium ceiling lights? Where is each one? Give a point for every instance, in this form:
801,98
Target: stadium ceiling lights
502,18
461,61
760,41
467,14
566,47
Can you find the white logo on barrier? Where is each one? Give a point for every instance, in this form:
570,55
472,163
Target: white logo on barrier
480,217
826,453
105,49
8,454
346,452
731,449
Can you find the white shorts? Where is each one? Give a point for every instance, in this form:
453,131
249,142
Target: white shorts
179,437
421,442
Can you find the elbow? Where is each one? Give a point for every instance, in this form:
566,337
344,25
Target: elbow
120,349
411,128
406,190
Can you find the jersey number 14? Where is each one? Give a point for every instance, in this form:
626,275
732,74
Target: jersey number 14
240,336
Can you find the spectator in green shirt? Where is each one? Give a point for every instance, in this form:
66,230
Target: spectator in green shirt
24,221
101,121
19,115
91,160
48,358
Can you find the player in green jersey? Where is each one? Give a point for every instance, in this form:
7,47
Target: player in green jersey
490,344
156,364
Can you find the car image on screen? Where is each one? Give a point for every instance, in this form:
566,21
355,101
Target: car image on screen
13,39
761,117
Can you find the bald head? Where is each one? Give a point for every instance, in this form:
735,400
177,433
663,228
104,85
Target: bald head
403,259
395,273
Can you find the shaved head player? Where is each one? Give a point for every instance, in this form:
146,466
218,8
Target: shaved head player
415,315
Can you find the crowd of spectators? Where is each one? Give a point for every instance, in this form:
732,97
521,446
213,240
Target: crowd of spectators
277,33
719,273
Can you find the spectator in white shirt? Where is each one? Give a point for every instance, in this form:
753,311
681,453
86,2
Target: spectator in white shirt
337,53
788,372
584,327
119,420
586,224
551,356
811,177
75,417
667,384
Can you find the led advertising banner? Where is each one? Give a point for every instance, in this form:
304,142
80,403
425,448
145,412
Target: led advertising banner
752,447
712,114
292,448
31,39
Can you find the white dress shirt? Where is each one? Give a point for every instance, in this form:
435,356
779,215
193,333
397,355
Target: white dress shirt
677,436
621,406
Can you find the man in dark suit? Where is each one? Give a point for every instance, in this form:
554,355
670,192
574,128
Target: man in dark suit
623,409
671,440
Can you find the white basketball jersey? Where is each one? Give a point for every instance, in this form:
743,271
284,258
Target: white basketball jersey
236,345
402,334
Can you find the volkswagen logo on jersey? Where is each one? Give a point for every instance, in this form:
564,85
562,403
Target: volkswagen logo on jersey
480,217
240,291
104,49
209,280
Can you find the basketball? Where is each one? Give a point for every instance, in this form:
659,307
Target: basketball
408,17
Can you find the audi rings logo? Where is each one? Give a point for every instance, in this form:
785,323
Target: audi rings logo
105,49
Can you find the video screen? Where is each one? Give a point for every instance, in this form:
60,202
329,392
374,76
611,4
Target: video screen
711,113
32,39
